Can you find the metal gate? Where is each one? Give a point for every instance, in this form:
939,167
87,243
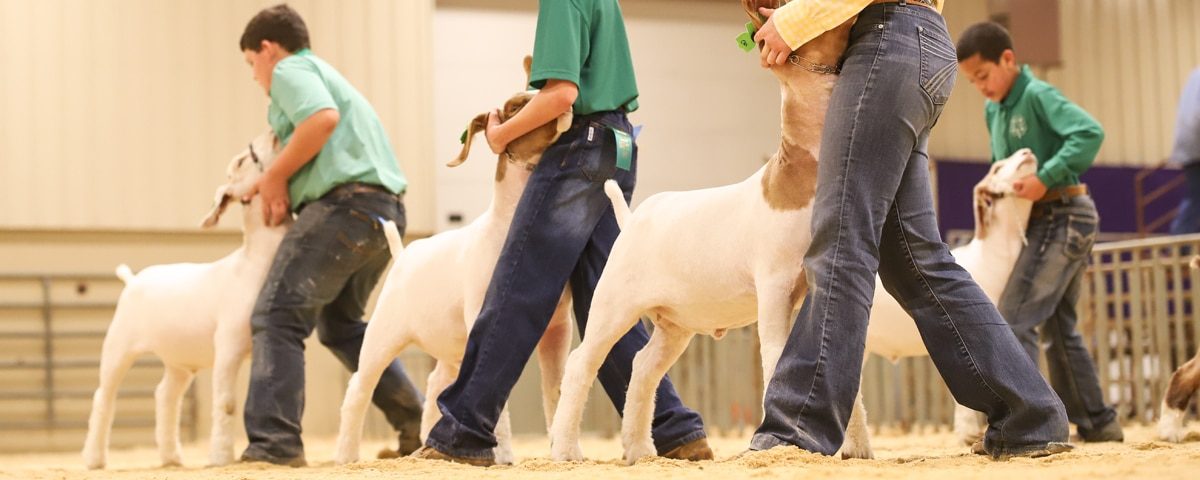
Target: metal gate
51,329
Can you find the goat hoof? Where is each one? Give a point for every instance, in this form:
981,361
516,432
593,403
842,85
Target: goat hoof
856,451
638,451
1170,426
504,456
571,453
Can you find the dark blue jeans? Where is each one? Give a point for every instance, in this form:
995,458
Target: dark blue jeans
874,212
1188,219
1041,294
322,275
563,229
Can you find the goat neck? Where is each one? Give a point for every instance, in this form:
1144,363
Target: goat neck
789,179
1010,216
512,173
259,241
805,94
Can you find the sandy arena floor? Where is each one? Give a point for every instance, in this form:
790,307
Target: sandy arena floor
926,457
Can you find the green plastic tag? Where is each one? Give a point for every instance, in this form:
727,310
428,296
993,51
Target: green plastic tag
624,149
463,138
745,42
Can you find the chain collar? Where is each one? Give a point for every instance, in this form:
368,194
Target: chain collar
818,68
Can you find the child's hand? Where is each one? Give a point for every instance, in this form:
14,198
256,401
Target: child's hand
775,51
1030,188
492,133
275,203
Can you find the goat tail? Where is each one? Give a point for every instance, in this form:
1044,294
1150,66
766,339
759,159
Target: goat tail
395,242
617,197
124,273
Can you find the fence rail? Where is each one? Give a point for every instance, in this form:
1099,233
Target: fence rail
34,309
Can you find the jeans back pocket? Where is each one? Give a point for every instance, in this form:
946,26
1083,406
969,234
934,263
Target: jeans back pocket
1081,235
939,64
597,153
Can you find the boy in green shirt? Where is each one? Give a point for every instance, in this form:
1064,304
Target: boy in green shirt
563,229
336,172
1024,112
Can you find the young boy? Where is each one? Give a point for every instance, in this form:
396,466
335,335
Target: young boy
1024,112
563,229
338,174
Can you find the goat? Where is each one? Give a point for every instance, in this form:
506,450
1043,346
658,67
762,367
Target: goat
435,290
192,316
663,263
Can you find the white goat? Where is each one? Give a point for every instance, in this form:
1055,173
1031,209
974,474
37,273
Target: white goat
1184,383
663,263
435,290
192,316
1000,220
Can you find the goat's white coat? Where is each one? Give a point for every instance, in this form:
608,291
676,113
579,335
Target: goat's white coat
192,316
700,261
431,297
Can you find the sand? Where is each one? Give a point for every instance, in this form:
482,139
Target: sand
928,457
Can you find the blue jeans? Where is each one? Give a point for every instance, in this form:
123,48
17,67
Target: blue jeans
563,229
1188,218
874,212
322,275
1042,292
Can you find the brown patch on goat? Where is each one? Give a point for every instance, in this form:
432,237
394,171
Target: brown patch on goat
790,183
1184,383
526,149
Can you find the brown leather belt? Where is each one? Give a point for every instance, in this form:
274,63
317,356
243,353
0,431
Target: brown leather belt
923,3
1064,193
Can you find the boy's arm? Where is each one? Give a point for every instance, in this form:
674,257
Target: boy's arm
301,95
558,53
553,100
306,142
1082,136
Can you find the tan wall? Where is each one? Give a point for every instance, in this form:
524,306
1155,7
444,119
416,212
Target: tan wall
123,113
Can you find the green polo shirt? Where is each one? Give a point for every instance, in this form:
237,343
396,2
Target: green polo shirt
584,42
357,151
1037,116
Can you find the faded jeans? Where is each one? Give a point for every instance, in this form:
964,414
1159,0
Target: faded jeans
1041,295
324,271
874,212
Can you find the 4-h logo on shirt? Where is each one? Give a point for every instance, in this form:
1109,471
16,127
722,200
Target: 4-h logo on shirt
1016,127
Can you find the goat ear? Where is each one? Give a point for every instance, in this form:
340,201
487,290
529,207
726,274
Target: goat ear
219,203
564,121
983,211
477,124
528,63
751,8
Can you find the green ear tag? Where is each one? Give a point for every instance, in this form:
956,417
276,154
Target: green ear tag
624,149
745,42
463,138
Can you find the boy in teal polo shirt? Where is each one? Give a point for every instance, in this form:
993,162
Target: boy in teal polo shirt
337,173
563,229
1024,112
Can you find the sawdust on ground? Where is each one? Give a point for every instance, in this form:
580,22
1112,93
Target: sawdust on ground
931,456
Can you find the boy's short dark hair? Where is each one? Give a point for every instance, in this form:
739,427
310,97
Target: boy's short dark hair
988,39
280,24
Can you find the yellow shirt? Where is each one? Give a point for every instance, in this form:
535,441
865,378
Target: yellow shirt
802,20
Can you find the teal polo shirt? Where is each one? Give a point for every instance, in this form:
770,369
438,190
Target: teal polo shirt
584,42
1037,116
357,151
